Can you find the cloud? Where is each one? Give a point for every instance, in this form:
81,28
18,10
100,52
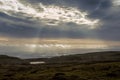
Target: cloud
97,19
65,26
47,14
116,2
54,47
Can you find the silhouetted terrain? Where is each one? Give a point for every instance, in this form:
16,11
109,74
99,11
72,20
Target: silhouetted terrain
77,58
4,59
94,66
83,58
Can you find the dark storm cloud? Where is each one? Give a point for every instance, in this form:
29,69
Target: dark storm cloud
89,5
110,29
3,15
98,9
110,19
22,31
13,31
109,33
15,27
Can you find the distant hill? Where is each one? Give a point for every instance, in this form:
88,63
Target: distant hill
7,57
107,56
4,59
83,58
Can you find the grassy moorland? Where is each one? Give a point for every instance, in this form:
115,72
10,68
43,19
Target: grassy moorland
64,69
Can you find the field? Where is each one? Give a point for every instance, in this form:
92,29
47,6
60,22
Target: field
91,66
71,71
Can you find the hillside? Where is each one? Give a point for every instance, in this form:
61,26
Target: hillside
83,58
107,56
4,59
102,66
7,57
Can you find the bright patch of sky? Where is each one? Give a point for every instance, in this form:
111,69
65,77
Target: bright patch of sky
48,14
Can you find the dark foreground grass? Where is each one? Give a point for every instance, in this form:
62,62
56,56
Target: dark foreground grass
71,71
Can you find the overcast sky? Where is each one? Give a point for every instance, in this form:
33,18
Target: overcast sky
29,21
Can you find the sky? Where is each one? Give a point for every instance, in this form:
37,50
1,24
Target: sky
45,28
